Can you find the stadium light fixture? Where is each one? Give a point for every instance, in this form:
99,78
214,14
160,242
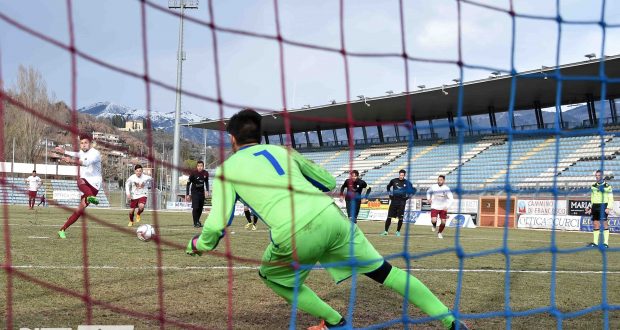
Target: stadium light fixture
176,4
590,56
495,74
363,98
456,80
443,91
332,101
390,92
541,71
307,106
176,148
421,86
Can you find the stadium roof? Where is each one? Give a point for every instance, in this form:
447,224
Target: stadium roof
579,79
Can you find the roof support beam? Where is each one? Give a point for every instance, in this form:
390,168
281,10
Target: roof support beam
492,119
614,113
591,109
539,118
451,122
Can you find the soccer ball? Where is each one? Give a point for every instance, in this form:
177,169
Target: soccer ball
145,232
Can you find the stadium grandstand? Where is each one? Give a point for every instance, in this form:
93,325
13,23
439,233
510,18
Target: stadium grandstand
478,157
530,160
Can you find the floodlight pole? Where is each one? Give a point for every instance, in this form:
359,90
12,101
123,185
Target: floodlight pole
46,159
182,5
204,158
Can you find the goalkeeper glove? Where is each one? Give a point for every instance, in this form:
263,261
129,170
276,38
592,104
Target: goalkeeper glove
192,250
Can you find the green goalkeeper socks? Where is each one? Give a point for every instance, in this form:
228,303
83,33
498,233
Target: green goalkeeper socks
418,294
606,236
307,301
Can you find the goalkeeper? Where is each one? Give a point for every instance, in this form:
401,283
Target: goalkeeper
284,190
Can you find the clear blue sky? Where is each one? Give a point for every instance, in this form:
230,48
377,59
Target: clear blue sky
250,75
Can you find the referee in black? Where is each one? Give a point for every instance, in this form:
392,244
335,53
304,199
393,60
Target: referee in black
199,182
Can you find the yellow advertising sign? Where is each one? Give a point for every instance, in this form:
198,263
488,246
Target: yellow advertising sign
375,204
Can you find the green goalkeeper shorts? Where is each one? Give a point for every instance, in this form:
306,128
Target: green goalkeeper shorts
327,239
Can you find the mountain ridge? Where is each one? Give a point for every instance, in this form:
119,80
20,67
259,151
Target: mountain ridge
159,120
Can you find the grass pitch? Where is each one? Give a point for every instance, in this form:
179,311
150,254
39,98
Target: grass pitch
48,284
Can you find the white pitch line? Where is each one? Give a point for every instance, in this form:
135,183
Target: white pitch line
39,237
513,271
439,270
463,237
188,228
448,238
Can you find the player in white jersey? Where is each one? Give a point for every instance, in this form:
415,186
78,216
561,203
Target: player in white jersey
34,182
89,182
440,197
136,189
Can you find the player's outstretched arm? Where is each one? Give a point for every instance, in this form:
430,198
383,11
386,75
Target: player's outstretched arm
222,211
368,190
128,187
317,175
344,185
189,183
410,189
63,151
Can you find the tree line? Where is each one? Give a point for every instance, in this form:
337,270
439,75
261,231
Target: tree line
25,129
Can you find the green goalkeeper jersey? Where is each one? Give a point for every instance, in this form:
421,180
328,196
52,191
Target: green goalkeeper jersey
283,188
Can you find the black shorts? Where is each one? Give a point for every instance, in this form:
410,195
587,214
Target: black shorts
397,209
597,215
198,201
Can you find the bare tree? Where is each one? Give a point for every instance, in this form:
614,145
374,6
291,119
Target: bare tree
25,125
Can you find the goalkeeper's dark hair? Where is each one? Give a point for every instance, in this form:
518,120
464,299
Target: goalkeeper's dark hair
245,126
137,167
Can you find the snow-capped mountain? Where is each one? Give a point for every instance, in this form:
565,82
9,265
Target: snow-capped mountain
109,110
159,120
